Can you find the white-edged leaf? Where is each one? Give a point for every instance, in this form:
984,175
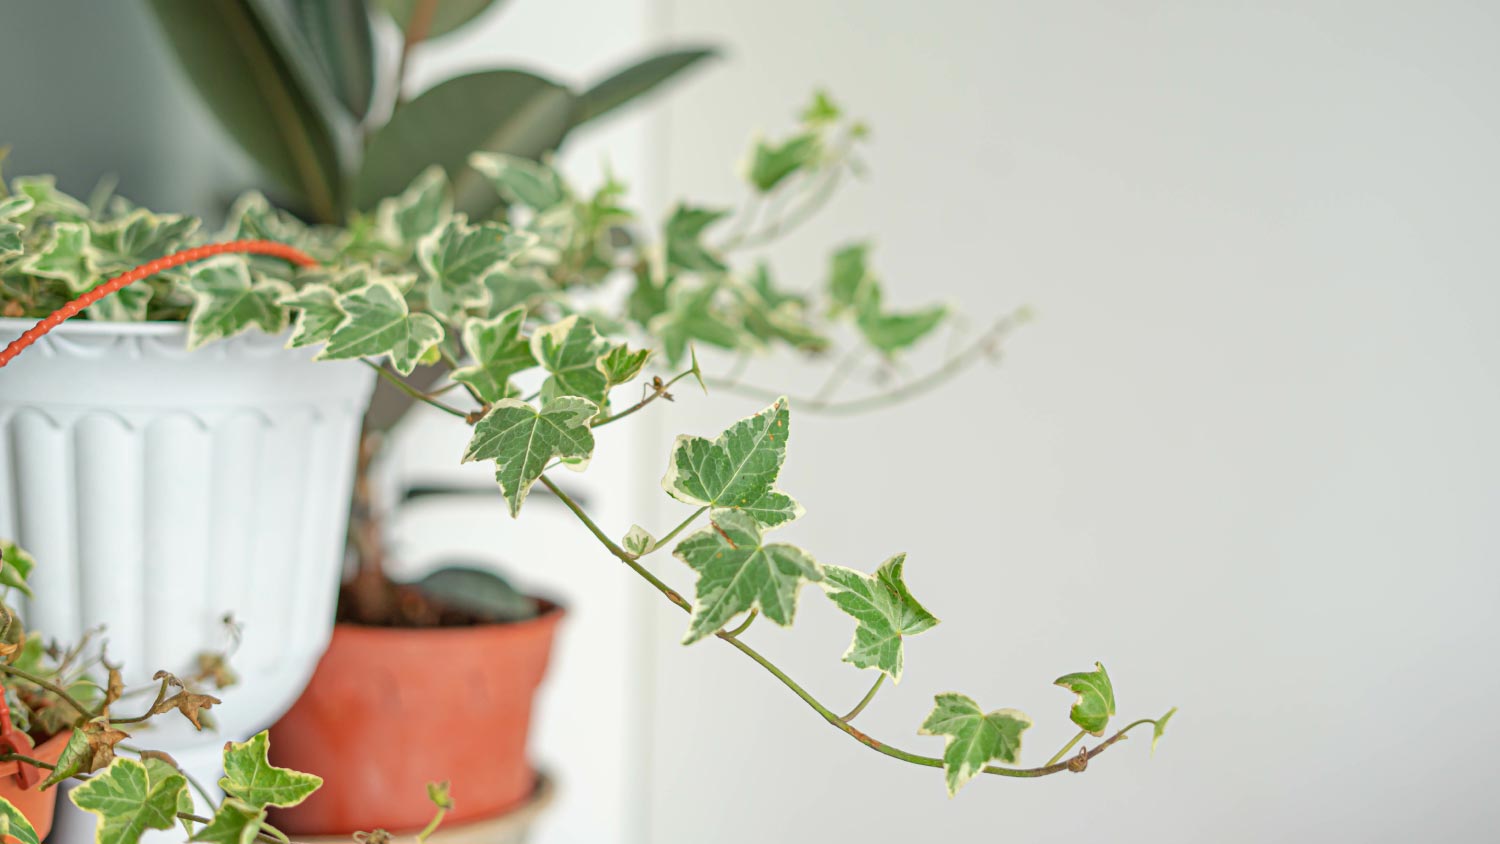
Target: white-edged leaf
498,351
737,470
226,301
975,737
738,572
522,440
884,610
378,322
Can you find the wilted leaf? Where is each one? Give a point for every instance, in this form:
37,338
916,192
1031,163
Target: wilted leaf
251,778
522,440
975,738
90,748
884,609
189,704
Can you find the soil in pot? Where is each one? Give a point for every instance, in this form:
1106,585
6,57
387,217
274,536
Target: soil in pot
36,804
446,695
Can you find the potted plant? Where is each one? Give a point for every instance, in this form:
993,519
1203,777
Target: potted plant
69,715
492,300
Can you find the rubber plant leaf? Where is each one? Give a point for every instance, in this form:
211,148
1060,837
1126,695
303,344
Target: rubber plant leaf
329,44
506,111
739,572
249,85
522,440
636,80
251,778
129,801
738,469
884,610
446,15
975,737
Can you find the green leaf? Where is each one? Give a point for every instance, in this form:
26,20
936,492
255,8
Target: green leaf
253,217
509,287
695,314
456,257
447,15
158,770
66,257
738,572
975,738
889,331
378,322
498,352
15,567
636,80
235,822
47,201
737,470
138,238
885,612
409,216
1096,698
129,801
522,440
227,302
247,81
849,278
621,365
571,350
254,780
771,163
770,314
493,111
684,238
637,540
15,824
521,181
318,314
1160,727
822,111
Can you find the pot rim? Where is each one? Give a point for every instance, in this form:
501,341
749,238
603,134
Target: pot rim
551,613
42,750
90,327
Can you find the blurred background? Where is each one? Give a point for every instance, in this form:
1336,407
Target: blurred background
1246,456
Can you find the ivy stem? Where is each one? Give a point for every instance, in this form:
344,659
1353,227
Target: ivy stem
827,714
655,394
432,825
672,534
951,367
259,836
744,625
1065,748
161,695
49,686
865,701
413,391
19,757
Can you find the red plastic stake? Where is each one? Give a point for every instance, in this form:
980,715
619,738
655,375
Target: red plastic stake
15,741
176,259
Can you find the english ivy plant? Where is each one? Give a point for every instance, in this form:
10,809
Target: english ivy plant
517,310
52,689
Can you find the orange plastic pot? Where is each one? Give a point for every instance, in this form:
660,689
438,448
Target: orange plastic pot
390,710
36,804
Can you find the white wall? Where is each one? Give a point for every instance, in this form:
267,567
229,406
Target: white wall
1247,457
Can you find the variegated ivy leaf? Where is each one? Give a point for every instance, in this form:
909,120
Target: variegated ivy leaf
406,218
522,440
252,217
13,824
570,350
694,315
738,572
849,277
975,738
770,163
318,314
378,322
158,770
521,181
1160,727
770,314
129,801
10,230
638,540
227,302
138,238
1096,698
737,470
15,567
511,286
66,257
235,822
455,259
684,239
621,365
47,201
498,352
884,609
251,778
890,331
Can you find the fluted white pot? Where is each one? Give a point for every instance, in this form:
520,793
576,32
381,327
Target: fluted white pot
162,490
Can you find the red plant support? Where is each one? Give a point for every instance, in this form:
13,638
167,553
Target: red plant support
176,259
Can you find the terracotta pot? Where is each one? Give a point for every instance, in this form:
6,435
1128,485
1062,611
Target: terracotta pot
512,827
37,805
391,710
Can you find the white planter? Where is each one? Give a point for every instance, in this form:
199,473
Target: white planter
161,490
